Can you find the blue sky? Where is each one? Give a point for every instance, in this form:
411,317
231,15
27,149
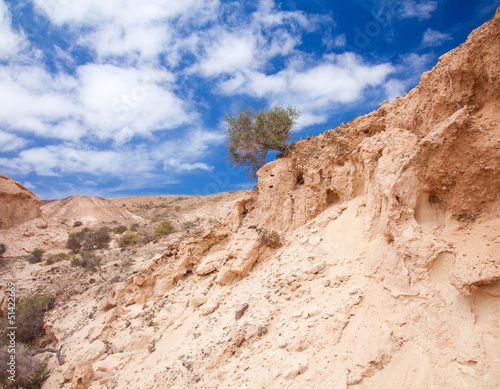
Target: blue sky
126,97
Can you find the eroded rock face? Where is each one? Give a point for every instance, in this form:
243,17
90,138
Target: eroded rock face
17,204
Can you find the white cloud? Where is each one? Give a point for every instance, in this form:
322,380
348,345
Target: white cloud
418,9
119,100
11,42
434,38
394,88
11,142
102,101
128,30
123,161
228,54
31,100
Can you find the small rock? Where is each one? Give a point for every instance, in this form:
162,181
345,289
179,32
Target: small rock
42,224
209,307
314,310
238,315
315,240
282,343
262,331
295,371
316,268
297,314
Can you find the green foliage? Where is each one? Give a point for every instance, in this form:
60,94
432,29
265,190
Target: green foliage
29,320
128,240
51,259
119,230
87,259
77,224
36,255
252,134
87,239
164,228
2,249
134,227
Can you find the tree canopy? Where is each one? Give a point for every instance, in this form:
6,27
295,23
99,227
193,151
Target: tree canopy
252,134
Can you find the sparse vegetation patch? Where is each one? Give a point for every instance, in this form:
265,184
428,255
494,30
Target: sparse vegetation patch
87,239
30,311
128,239
119,230
36,255
87,260
164,228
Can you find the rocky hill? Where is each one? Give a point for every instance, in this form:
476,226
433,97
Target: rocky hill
17,204
368,258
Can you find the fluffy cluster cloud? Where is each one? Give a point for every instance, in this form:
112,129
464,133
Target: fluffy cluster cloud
434,38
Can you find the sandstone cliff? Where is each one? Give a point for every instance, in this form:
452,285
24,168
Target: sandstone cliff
369,257
17,204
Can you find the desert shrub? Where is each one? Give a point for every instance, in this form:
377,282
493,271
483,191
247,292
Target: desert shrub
164,228
77,224
128,240
146,238
87,259
119,230
30,372
51,259
87,239
36,255
2,249
134,227
29,319
270,239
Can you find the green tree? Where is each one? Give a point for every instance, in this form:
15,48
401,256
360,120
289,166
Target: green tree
252,134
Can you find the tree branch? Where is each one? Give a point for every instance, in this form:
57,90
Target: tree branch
49,350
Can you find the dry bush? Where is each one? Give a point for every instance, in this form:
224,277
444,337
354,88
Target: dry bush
87,260
119,230
30,372
164,228
53,258
128,240
270,239
29,319
87,239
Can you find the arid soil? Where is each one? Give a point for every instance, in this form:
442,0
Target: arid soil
369,257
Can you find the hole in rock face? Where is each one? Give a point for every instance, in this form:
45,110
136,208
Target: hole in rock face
188,274
271,186
332,197
300,179
434,199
